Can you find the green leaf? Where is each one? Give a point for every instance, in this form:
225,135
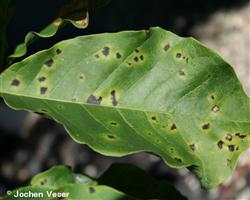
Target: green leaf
137,183
6,9
60,179
74,13
135,91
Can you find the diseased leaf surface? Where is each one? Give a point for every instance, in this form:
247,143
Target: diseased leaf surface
74,13
134,91
62,180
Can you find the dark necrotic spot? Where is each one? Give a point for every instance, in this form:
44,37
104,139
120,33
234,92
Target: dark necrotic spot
113,98
231,147
173,127
97,56
111,137
113,123
237,148
118,55
220,144
206,126
105,51
192,146
141,57
129,63
15,82
44,181
178,55
186,60
81,76
43,90
136,59
58,51
215,109
240,136
166,47
137,50
42,79
93,100
229,163
153,118
212,97
229,137
91,190
178,160
49,62
181,73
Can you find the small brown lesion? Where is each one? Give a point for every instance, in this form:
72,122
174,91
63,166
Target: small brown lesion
15,83
91,190
241,136
220,144
58,51
106,51
113,98
112,137
181,73
178,159
94,100
192,146
43,90
49,62
205,126
231,147
113,123
136,59
118,55
173,127
178,55
141,57
42,79
166,47
229,163
229,137
215,109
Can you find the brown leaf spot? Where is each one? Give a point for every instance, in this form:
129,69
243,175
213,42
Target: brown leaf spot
192,146
173,127
111,137
205,126
42,79
137,50
97,56
91,190
141,57
229,163
113,123
229,137
178,160
240,136
15,83
113,98
231,147
93,100
118,55
153,118
136,59
181,73
58,51
220,144
105,51
178,55
43,90
49,62
215,109
166,47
